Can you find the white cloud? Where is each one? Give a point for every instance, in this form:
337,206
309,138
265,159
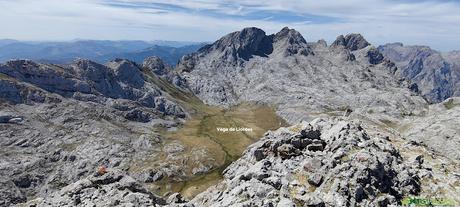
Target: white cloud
434,23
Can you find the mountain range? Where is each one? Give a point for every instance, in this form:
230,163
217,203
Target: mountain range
345,124
97,50
436,74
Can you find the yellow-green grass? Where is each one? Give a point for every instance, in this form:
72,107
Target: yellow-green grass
450,104
200,132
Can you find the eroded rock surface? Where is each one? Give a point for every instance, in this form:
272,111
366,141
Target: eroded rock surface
297,76
322,163
436,74
58,123
113,188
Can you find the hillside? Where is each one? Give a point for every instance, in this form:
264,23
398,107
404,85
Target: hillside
436,74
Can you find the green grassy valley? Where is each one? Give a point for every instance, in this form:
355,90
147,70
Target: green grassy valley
199,134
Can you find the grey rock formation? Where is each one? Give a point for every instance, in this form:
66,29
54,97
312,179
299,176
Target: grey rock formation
58,123
290,42
88,81
165,71
375,57
438,129
235,48
351,169
156,65
351,41
437,75
113,188
316,79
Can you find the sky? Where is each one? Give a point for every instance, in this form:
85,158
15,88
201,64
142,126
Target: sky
435,23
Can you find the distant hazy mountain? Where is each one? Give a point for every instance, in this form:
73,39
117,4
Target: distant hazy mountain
96,50
169,54
6,42
436,74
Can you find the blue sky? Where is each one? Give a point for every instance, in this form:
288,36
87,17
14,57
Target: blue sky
427,22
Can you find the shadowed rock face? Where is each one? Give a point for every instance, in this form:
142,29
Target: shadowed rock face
351,41
238,47
84,80
160,68
245,43
375,57
290,42
437,75
156,65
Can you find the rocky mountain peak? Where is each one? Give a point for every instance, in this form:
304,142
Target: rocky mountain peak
156,65
292,35
322,42
395,44
289,42
127,71
435,73
237,47
232,49
351,41
85,63
245,43
21,63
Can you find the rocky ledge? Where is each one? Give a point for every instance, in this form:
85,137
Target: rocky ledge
322,163
106,188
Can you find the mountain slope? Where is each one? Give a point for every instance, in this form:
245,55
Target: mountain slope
437,75
58,123
283,70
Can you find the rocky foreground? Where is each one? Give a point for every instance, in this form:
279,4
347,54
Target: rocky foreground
324,163
112,188
327,162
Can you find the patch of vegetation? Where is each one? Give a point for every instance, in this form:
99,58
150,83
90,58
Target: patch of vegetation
200,133
389,123
450,104
403,128
296,128
5,77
